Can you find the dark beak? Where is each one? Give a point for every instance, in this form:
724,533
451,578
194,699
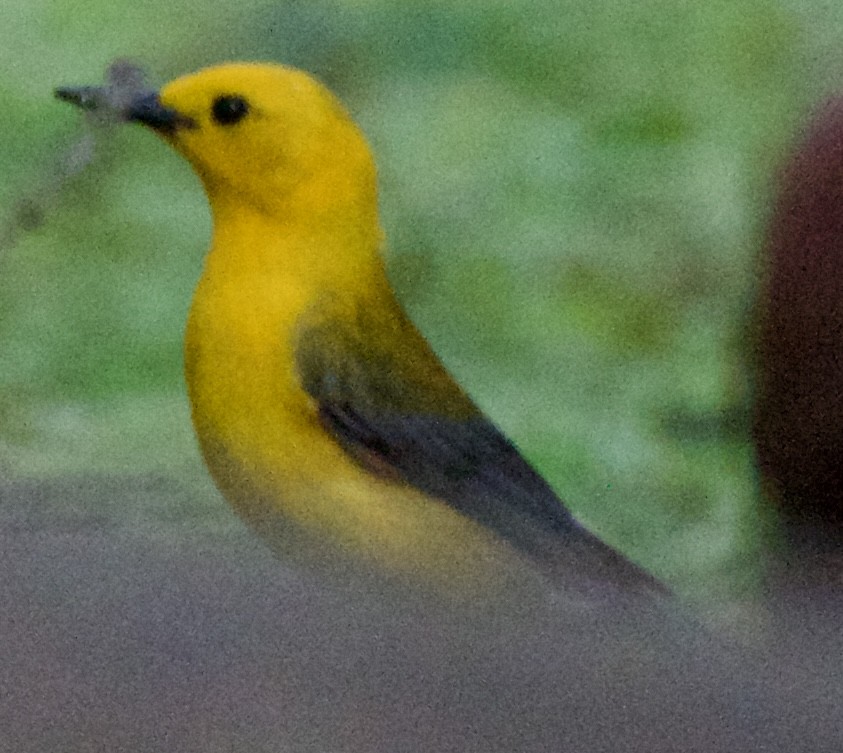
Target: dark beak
142,106
146,108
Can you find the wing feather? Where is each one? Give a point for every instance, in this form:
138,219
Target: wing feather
387,400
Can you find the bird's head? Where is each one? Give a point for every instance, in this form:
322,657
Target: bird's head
259,134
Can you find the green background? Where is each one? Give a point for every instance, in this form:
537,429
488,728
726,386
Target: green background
574,193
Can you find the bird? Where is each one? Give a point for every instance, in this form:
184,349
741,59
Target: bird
798,411
323,415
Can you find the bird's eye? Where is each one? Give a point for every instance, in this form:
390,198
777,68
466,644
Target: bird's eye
229,109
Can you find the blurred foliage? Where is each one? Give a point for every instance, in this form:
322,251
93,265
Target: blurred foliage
574,195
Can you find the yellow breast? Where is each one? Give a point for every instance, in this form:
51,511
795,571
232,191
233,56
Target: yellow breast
278,467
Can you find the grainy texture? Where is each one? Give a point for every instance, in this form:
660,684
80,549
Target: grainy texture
799,413
159,635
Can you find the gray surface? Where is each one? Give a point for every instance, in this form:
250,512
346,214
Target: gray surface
124,628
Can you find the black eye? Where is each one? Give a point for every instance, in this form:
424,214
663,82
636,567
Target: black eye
229,109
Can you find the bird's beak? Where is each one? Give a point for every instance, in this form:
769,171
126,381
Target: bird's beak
146,108
141,107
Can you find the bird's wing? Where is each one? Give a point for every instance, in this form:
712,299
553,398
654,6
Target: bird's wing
387,400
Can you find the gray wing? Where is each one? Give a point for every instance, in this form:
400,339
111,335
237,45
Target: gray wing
448,449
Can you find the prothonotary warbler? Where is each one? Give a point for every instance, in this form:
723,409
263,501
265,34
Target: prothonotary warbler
322,413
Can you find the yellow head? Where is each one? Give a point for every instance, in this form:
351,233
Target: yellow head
265,136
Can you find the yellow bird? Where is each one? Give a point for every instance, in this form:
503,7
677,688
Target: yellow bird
324,416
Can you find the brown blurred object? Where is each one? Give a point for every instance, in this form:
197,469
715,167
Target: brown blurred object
798,421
